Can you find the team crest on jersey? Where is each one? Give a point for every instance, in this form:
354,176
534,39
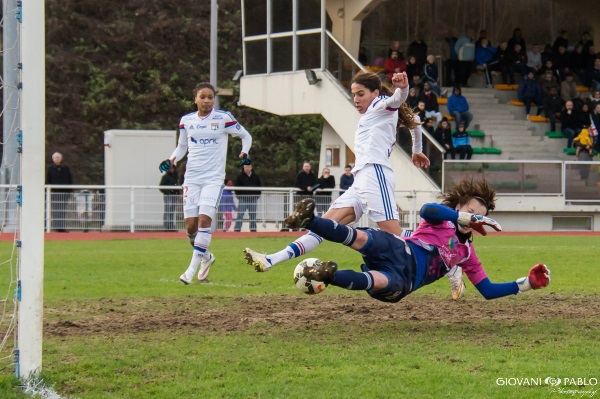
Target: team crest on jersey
214,126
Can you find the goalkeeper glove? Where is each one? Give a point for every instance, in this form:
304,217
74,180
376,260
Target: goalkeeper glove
164,165
246,160
538,277
476,222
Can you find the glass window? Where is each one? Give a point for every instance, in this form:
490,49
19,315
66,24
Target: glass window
332,156
256,57
282,54
309,51
282,15
255,13
309,14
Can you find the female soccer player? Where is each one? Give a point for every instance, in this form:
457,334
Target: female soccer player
373,189
204,135
395,267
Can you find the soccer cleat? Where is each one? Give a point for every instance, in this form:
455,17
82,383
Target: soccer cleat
305,212
205,267
184,279
321,272
455,276
259,261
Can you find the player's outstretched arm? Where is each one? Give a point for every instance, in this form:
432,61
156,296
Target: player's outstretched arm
538,277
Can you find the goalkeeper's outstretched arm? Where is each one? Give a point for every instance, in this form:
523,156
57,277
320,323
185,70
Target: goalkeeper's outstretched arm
538,277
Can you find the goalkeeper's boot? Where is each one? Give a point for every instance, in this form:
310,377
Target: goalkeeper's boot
305,212
259,261
455,276
205,266
321,271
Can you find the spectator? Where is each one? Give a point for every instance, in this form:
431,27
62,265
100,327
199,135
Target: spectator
394,64
534,58
560,61
459,108
584,114
305,181
395,46
413,68
570,122
430,74
429,98
561,40
443,135
347,179
465,50
547,53
417,81
418,48
362,55
171,198
568,88
578,64
462,142
530,92
552,106
594,123
519,60
593,99
323,194
586,41
412,100
449,57
379,61
547,81
59,174
517,38
227,205
549,66
247,199
502,62
420,111
484,53
584,142
595,75
483,35
428,126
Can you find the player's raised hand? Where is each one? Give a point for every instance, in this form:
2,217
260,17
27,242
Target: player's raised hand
164,166
538,277
420,160
400,80
477,222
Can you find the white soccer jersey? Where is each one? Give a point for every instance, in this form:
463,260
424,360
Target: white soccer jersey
205,138
376,131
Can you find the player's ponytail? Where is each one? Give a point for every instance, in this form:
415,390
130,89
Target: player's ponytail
406,116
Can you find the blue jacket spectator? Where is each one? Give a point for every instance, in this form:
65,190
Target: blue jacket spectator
459,108
347,179
462,142
530,91
483,54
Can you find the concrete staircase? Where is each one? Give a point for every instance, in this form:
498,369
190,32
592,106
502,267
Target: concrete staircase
507,128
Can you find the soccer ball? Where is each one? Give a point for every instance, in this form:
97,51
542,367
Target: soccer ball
305,285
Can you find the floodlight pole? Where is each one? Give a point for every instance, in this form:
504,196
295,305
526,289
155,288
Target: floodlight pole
31,271
214,12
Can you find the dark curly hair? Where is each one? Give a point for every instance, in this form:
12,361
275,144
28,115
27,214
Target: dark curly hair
467,189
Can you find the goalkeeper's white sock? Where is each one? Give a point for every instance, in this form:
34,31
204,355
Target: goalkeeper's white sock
201,243
299,247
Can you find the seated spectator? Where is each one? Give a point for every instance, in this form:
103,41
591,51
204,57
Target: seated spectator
570,122
420,111
432,108
561,40
458,107
483,55
502,62
530,91
412,68
593,99
431,75
552,106
595,75
443,135
594,123
519,60
394,64
534,58
412,100
561,62
584,142
483,35
586,41
568,88
428,126
549,66
584,113
517,38
578,64
347,179
417,82
462,142
547,53
395,46
547,81
379,61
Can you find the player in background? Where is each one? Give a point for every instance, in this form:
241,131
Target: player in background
373,190
204,135
394,267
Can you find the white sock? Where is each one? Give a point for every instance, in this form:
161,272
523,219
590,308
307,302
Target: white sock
201,243
301,246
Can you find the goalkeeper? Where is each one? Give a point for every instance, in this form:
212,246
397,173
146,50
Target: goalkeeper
395,267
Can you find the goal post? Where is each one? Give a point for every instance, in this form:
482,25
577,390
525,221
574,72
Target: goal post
31,270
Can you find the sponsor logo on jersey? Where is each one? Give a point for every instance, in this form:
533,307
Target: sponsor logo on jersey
203,141
216,117
215,126
201,127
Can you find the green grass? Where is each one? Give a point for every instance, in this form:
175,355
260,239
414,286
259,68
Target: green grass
354,357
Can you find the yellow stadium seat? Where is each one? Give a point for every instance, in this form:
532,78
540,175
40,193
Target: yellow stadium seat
442,101
538,118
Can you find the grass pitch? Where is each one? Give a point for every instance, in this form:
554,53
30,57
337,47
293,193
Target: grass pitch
119,325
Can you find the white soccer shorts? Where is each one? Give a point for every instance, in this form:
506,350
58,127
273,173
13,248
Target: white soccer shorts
196,195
